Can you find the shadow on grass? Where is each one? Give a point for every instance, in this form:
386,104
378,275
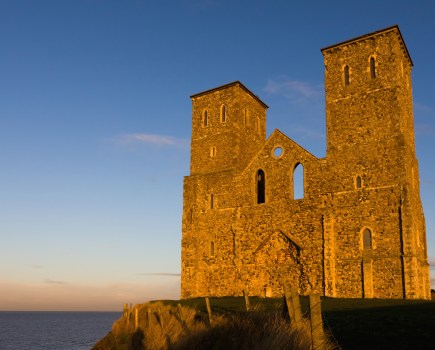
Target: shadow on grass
381,324
355,323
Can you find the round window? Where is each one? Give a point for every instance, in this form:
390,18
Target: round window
278,152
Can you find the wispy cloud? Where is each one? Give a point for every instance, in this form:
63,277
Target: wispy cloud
424,108
294,90
37,267
49,281
425,129
159,274
153,139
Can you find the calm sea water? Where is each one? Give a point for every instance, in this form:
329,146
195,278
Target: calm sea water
53,330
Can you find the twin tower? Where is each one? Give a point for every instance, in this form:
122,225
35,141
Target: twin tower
358,229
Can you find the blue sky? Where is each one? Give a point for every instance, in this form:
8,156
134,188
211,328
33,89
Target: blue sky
95,123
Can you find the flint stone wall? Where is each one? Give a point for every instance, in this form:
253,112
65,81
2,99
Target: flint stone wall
368,182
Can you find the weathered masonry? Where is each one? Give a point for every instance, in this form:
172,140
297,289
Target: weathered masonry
357,231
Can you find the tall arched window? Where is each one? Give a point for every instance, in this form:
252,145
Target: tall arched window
346,75
367,239
205,118
372,68
261,187
298,181
223,114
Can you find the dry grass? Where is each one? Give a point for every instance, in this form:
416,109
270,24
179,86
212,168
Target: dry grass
175,327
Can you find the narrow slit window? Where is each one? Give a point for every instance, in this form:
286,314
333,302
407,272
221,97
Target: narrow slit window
261,187
367,239
213,151
257,125
358,182
223,114
372,68
205,118
212,248
211,201
245,119
346,75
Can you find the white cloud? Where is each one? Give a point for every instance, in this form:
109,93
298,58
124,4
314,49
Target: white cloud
294,90
153,139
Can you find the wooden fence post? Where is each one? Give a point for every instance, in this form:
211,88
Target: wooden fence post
296,307
180,310
149,316
207,303
289,302
317,335
245,293
124,310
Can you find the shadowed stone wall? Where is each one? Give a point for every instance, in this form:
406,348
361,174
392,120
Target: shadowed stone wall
359,229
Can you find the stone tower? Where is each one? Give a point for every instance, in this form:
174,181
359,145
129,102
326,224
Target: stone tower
370,134
358,230
228,128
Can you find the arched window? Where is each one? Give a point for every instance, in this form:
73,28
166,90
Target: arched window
261,187
211,248
298,181
372,68
367,239
346,75
358,182
223,114
205,118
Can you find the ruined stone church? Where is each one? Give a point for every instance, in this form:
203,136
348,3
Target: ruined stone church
358,229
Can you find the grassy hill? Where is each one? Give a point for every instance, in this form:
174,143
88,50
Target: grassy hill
351,323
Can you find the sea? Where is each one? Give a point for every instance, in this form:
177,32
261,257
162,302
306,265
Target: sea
54,330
